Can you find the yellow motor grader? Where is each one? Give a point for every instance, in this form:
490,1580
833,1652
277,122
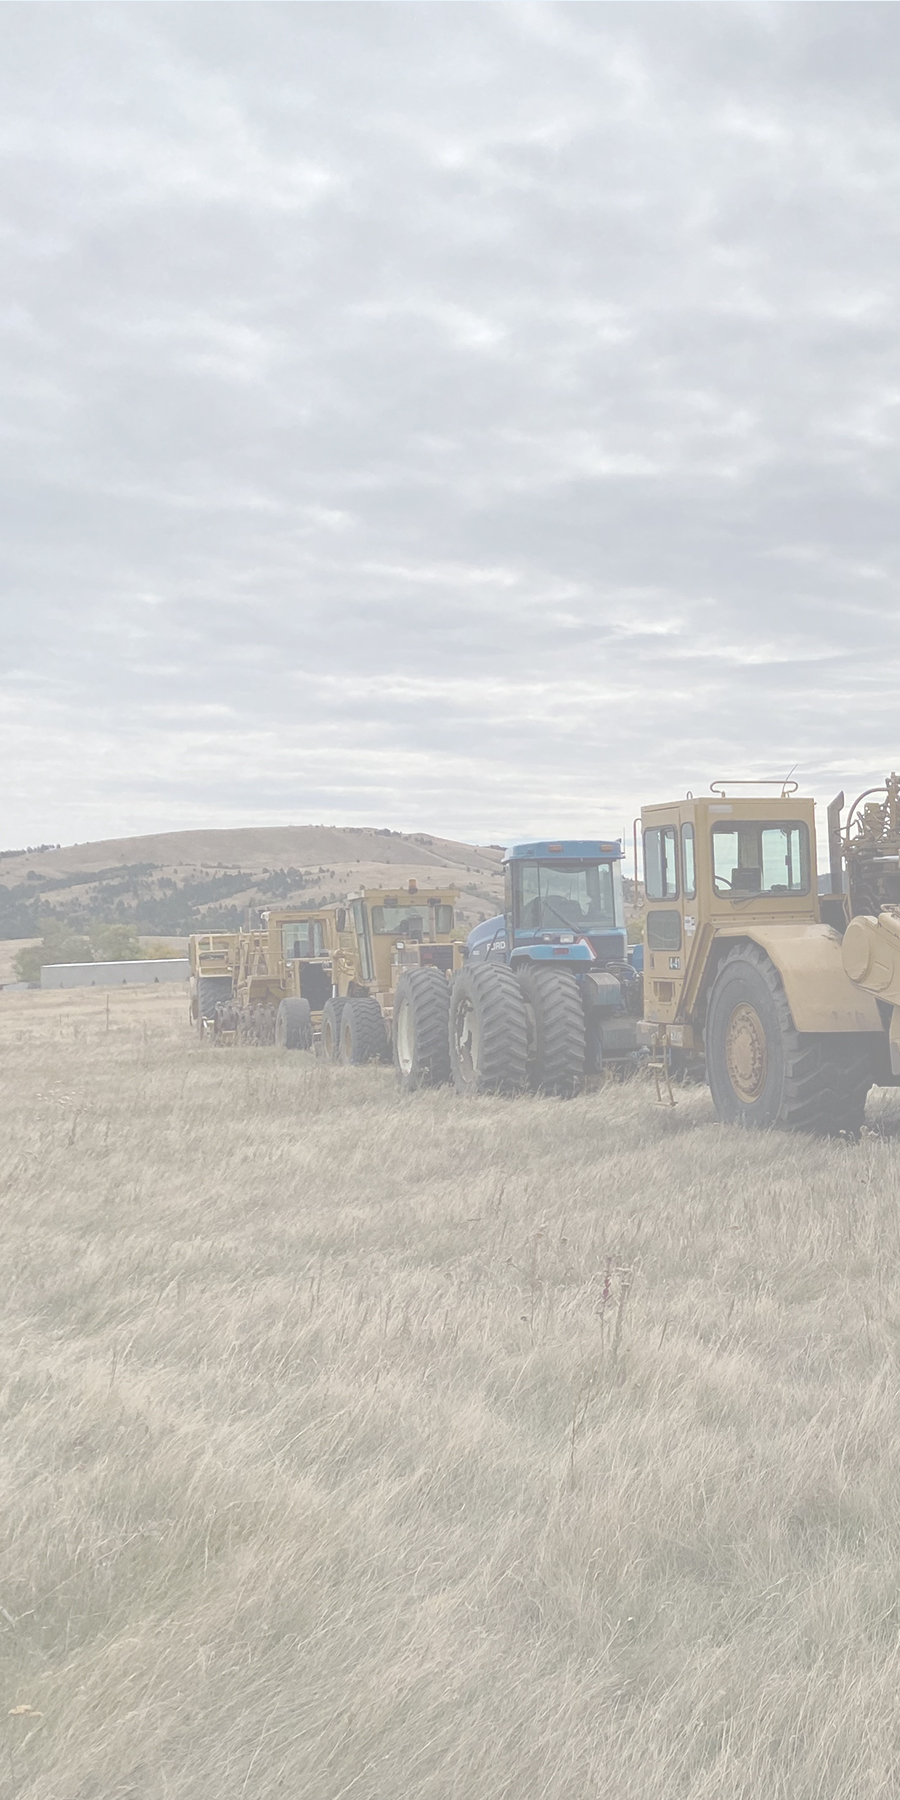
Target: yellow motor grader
395,952
788,999
282,979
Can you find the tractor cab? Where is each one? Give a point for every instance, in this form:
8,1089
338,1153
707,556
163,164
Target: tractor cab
720,869
299,953
563,904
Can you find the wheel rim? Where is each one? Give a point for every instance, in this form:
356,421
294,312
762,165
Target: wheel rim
346,1042
405,1038
328,1040
466,1037
746,1056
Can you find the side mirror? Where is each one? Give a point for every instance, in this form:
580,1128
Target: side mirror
340,918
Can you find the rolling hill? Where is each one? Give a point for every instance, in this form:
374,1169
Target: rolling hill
176,882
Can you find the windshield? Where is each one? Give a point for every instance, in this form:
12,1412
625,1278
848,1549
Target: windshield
412,920
752,858
570,896
303,937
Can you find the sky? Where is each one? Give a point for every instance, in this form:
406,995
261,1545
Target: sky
464,417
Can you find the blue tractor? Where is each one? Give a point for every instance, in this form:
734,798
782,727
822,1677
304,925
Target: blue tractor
547,994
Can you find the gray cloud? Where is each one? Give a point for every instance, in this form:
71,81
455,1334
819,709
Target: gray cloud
474,417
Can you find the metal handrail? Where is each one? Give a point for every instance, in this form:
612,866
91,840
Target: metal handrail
785,783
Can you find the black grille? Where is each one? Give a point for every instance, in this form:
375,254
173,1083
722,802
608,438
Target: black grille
440,956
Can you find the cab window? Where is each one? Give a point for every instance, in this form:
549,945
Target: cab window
688,869
660,864
406,919
573,895
301,938
752,857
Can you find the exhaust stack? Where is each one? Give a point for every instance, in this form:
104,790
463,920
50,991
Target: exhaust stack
835,856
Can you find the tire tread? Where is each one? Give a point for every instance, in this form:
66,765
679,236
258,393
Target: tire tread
428,992
560,1034
367,1028
498,997
826,1075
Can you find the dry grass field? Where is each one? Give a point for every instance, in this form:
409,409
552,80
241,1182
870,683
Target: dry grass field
367,1448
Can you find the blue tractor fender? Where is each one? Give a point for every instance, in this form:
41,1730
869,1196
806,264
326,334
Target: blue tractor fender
487,942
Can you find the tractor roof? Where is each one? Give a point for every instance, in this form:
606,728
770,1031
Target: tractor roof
567,850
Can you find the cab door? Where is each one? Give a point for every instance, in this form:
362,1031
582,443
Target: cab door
665,853
673,944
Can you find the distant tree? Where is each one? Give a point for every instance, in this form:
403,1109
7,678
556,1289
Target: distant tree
27,963
59,945
116,943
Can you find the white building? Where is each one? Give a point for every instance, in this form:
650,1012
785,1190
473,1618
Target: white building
115,974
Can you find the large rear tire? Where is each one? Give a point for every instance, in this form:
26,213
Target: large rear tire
212,991
556,1029
488,1031
762,1072
293,1025
363,1036
421,1029
331,1029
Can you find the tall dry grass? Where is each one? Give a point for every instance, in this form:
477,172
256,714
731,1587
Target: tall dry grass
362,1448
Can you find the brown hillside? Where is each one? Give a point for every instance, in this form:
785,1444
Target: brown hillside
258,847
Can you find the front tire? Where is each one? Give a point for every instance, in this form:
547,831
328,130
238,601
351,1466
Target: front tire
331,1029
293,1025
557,1034
488,1031
764,1073
421,1029
363,1037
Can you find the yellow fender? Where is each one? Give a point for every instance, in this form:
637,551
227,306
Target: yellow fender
871,956
819,991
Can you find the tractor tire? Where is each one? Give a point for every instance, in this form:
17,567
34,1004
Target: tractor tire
293,1025
422,1029
225,1020
488,1031
764,1073
331,1029
557,1033
363,1036
211,990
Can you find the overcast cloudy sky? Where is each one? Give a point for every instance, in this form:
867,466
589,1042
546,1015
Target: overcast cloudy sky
473,417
